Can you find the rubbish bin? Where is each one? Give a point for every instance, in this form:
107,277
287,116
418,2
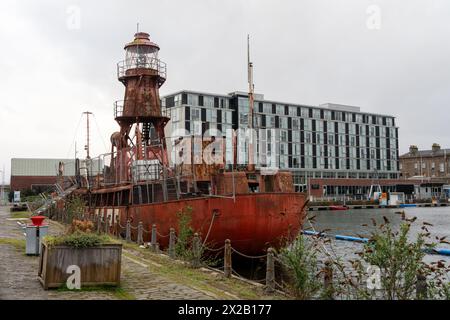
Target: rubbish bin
34,233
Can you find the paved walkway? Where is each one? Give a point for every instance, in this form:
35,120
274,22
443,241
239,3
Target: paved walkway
18,274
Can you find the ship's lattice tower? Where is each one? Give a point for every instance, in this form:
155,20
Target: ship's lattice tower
142,73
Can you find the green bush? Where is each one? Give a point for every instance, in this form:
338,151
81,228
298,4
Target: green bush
398,259
185,248
300,262
185,233
75,208
78,239
401,262
398,255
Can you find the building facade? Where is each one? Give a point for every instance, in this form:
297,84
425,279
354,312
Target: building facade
41,175
432,163
329,141
37,174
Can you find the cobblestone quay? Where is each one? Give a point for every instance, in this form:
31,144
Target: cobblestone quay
18,273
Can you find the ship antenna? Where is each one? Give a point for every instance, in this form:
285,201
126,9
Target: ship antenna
251,87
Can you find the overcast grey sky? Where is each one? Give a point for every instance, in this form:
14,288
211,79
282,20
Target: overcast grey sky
386,56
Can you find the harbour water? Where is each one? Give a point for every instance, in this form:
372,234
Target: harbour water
359,223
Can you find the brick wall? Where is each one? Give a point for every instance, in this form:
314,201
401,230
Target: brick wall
19,183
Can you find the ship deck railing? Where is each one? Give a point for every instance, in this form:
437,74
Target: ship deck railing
142,63
119,108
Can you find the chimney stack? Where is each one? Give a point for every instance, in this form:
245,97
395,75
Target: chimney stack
435,147
413,149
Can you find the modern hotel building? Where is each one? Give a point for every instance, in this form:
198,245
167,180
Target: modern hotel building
331,149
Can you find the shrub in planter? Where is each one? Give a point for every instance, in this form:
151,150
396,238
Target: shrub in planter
98,258
78,239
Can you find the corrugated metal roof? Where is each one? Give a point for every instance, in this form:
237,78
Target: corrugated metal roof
41,167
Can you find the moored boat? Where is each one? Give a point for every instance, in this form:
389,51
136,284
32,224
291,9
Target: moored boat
338,208
252,206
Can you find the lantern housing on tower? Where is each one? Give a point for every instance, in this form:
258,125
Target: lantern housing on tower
141,55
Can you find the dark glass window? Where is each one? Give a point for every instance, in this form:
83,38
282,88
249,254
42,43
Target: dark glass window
203,114
170,102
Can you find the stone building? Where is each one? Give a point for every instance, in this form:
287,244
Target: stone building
430,164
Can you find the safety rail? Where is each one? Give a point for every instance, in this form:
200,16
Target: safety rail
118,108
142,63
120,104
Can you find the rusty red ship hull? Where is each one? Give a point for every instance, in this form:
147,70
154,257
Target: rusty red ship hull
252,222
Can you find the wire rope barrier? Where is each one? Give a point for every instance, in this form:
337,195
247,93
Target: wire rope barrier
214,249
202,245
162,236
247,256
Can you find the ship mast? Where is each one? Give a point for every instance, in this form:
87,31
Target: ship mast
251,87
87,146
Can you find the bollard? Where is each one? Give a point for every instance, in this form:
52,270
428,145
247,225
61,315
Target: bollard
196,251
128,231
153,244
227,259
117,229
328,280
140,239
99,223
270,272
106,225
421,287
172,243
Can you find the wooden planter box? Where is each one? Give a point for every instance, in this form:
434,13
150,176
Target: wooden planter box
99,265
